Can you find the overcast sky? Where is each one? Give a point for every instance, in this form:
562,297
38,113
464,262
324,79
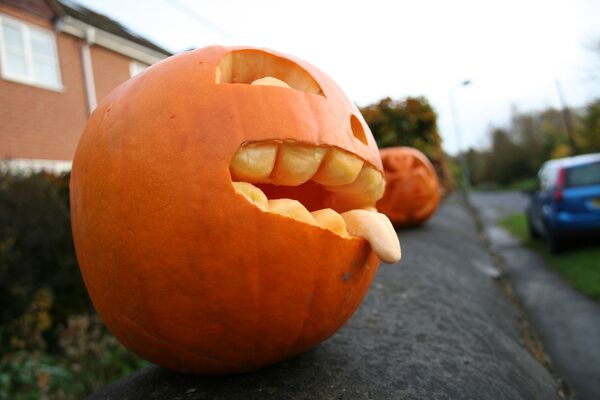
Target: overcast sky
513,50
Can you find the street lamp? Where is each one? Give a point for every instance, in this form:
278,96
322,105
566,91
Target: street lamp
454,111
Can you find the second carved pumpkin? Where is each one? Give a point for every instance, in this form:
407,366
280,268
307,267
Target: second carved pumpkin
412,192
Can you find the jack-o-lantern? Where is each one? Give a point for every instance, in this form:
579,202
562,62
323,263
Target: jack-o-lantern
412,192
222,210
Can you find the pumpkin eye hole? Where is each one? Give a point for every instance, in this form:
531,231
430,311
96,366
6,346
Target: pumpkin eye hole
357,129
249,66
390,164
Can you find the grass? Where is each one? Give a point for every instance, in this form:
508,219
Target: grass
522,185
578,265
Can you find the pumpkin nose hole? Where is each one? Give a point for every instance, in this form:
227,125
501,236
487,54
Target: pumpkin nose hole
357,129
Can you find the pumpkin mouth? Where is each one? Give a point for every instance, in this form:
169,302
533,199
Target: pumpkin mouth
323,186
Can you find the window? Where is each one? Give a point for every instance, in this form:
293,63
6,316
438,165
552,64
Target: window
28,54
136,67
584,175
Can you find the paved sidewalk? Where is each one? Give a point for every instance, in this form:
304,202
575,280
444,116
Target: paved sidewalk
437,326
567,321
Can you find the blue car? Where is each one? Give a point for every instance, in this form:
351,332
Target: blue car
567,205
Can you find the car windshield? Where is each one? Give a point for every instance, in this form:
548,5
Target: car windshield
583,175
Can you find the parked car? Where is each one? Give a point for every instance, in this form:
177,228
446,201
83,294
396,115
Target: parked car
567,204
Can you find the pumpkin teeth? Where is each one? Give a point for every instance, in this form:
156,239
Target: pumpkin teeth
296,164
253,194
330,219
368,187
338,168
254,162
291,164
292,209
365,223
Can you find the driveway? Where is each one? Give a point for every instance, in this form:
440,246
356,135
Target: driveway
567,321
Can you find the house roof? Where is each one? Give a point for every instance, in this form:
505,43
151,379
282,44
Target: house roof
69,8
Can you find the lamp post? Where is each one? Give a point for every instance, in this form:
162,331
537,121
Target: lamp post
464,168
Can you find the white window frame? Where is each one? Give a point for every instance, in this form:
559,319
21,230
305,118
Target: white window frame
135,67
29,78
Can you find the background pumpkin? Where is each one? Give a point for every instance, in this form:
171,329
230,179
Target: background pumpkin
412,192
185,271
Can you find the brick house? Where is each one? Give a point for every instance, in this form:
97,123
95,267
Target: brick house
57,61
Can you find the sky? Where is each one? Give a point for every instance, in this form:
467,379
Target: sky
512,51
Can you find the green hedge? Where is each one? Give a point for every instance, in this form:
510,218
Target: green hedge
36,249
52,345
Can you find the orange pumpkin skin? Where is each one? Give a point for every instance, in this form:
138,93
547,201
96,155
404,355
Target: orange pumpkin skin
184,271
412,192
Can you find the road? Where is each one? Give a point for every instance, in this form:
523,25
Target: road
435,326
567,321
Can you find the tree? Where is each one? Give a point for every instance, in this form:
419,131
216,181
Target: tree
507,161
518,150
589,132
410,122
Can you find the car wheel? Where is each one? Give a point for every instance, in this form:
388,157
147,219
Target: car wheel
533,233
556,244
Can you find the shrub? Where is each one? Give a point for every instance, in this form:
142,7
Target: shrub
52,344
36,249
409,122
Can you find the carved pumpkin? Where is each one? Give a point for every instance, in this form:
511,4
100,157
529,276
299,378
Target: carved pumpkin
222,210
412,191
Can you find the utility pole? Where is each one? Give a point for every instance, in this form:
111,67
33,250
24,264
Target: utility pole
566,117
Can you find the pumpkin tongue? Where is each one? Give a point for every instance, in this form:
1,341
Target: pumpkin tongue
376,229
